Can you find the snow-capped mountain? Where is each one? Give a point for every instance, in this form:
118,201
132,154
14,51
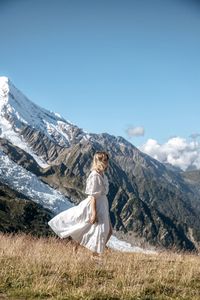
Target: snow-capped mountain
145,197
24,123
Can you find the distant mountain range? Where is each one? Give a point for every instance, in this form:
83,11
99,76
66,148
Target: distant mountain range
156,202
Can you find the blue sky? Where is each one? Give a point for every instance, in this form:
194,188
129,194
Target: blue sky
108,66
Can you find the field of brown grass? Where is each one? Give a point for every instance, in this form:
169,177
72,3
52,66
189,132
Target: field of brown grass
47,268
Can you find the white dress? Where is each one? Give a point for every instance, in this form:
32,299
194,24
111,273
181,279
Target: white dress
75,222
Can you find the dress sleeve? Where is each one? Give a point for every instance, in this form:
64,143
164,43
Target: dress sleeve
93,185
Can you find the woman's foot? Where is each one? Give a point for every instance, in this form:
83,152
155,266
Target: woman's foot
75,248
97,257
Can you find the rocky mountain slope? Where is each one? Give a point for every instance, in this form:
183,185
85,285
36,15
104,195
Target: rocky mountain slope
150,199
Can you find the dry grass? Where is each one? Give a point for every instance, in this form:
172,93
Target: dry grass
46,268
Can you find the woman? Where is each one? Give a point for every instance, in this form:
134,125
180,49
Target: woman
89,222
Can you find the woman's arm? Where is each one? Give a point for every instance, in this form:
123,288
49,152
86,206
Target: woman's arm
93,218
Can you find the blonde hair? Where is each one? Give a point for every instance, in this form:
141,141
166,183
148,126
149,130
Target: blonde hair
99,161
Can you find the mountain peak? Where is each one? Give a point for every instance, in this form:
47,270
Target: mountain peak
6,86
4,79
13,102
4,89
21,121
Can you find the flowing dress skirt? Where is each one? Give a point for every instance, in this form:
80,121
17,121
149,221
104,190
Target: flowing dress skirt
75,222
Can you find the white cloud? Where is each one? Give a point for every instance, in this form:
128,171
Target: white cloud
135,131
177,151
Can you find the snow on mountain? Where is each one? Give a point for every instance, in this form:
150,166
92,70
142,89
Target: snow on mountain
123,246
17,111
28,184
7,132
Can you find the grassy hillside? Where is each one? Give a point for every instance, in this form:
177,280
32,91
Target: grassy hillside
47,268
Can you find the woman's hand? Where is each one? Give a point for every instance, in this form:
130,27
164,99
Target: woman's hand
93,218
